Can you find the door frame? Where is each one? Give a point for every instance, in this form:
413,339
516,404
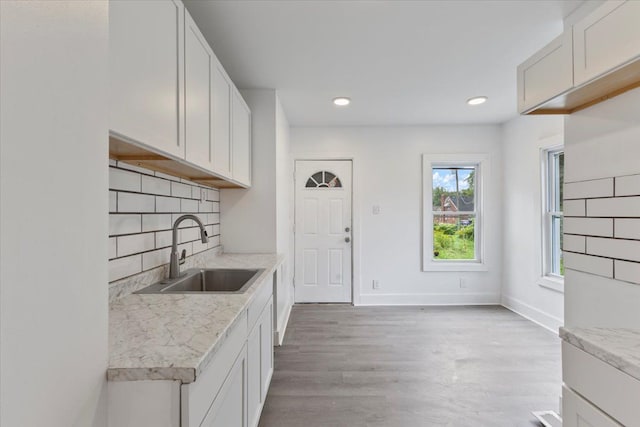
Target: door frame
355,217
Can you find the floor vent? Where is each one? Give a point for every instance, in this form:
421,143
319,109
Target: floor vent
548,418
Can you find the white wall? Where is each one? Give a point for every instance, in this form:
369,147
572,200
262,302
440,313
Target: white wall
388,173
258,220
248,217
284,211
522,138
53,213
603,141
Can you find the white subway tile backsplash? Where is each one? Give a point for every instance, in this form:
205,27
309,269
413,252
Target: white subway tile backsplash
112,248
614,248
573,243
188,206
156,258
155,222
132,202
124,224
123,180
205,206
575,207
167,204
123,267
135,243
180,190
198,193
614,207
627,228
198,246
153,185
216,229
189,223
189,234
589,189
163,239
213,218
627,271
589,264
589,226
213,195
165,176
142,213
628,186
113,201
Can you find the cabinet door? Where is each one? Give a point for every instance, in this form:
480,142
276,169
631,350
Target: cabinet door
266,346
229,409
577,412
241,137
198,63
254,375
221,121
145,72
546,74
259,363
605,39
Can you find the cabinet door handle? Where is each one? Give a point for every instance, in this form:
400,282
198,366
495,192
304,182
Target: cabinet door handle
347,239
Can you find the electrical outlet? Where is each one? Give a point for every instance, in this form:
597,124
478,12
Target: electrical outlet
463,283
376,284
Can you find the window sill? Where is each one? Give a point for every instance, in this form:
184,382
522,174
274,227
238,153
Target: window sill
455,266
553,283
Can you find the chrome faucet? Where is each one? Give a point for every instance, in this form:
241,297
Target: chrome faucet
174,262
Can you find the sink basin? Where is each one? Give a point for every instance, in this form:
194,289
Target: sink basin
207,280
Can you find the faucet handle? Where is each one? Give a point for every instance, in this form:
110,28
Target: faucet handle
183,257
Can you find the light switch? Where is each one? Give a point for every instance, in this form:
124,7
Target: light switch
376,209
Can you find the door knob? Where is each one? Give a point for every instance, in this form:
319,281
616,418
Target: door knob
347,239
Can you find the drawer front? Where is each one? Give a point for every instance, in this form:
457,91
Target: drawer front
259,302
613,391
198,396
606,39
577,412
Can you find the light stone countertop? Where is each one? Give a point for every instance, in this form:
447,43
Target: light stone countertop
174,336
618,347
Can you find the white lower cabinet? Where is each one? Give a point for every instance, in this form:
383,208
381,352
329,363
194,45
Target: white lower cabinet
260,350
230,391
577,412
229,408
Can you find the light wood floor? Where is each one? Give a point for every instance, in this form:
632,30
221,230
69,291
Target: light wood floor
412,366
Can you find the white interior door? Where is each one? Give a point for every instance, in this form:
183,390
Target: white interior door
323,231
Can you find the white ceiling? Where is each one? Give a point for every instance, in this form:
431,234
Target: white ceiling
401,62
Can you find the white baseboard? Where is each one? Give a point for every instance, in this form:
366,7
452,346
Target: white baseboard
278,335
533,314
430,299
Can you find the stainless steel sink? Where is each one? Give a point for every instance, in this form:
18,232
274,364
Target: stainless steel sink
207,280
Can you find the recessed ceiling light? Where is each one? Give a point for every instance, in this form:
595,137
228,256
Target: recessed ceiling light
477,100
341,101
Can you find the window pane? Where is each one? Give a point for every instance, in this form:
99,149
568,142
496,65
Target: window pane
454,189
557,261
561,179
454,237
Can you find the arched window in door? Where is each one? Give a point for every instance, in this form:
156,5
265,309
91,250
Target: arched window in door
323,179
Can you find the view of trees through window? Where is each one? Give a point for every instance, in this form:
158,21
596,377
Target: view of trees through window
454,213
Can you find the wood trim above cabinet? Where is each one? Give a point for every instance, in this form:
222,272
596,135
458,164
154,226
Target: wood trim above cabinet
129,151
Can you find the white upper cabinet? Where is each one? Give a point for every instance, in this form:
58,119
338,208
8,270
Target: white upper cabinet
606,38
546,74
221,113
145,72
198,64
241,137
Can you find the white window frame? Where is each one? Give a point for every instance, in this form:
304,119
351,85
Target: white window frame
548,279
481,163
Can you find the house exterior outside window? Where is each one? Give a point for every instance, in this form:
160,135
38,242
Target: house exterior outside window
452,212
